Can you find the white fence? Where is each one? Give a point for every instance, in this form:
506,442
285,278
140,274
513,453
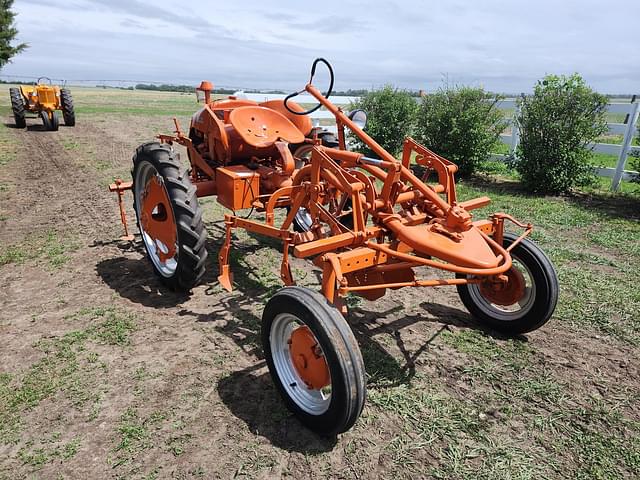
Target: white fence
628,130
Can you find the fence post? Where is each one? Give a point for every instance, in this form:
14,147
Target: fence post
626,146
515,131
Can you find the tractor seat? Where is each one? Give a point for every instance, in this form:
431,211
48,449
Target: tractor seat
261,127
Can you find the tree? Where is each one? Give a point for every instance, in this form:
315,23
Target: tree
7,33
463,124
556,125
390,117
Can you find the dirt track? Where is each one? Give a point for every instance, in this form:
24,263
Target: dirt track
186,393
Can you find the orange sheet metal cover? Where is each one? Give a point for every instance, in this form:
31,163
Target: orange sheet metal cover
238,186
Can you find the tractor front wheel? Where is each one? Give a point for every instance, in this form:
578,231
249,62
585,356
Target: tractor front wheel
46,120
314,360
55,122
66,102
17,105
169,216
525,302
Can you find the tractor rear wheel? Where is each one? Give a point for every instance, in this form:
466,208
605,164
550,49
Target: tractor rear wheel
314,360
17,105
169,216
528,299
66,102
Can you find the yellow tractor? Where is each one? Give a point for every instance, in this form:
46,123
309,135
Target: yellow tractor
43,100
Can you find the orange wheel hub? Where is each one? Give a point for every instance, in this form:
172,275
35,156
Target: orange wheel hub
308,359
505,292
156,217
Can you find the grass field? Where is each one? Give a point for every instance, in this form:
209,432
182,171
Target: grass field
105,374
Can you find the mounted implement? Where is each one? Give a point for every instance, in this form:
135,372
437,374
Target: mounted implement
43,100
369,224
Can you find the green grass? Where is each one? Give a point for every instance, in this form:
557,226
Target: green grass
8,144
506,383
47,451
67,367
70,144
134,437
52,247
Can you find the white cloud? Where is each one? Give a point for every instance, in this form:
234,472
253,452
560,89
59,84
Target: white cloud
503,45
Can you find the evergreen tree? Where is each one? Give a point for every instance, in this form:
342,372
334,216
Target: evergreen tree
7,33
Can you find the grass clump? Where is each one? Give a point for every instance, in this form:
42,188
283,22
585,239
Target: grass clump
50,246
66,366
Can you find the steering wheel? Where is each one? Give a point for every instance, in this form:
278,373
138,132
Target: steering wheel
43,78
313,72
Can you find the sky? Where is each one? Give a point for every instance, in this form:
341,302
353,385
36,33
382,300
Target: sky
504,46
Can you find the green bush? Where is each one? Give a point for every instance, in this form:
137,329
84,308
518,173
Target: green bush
463,124
390,118
556,124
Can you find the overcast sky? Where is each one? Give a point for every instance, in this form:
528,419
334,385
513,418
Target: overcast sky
502,45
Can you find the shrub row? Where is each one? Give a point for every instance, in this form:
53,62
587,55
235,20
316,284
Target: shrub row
463,124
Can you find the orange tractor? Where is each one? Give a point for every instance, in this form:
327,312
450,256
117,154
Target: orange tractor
43,100
369,224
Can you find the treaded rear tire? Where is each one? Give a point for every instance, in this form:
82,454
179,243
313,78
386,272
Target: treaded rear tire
68,112
341,351
17,105
545,280
191,234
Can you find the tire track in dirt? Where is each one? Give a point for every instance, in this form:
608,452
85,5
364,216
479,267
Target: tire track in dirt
50,190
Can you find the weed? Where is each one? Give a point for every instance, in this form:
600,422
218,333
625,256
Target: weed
50,246
49,450
67,366
8,145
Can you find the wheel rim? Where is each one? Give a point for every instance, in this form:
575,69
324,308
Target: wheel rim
294,347
302,156
303,219
155,220
521,289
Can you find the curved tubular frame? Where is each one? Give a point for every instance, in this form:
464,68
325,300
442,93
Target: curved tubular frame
359,257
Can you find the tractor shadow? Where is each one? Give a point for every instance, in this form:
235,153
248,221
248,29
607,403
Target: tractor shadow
252,397
31,127
249,393
134,279
375,330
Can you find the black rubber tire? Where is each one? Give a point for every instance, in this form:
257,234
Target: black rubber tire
328,139
55,122
66,102
346,367
17,105
191,233
46,121
545,299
